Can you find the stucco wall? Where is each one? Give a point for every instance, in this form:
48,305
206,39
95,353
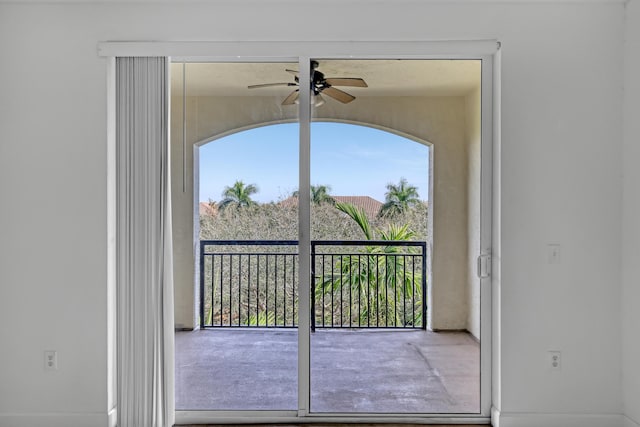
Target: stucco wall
560,181
473,135
205,117
439,120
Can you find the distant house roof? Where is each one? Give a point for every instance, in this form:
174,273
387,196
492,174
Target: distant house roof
370,205
206,209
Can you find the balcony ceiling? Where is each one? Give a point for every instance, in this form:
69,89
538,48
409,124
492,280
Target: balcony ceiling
384,77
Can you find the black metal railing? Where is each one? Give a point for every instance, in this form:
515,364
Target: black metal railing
354,284
248,283
368,284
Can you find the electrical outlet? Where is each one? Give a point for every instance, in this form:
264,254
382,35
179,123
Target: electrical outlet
50,360
553,253
555,360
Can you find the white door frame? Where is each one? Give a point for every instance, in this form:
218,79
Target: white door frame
302,52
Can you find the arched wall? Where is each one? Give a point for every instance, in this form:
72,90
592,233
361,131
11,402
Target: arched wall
213,138
442,121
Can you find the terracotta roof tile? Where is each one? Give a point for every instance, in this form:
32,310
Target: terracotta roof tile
370,205
206,209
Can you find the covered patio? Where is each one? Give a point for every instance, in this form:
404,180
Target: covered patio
352,370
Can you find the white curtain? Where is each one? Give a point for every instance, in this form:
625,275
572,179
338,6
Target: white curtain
144,268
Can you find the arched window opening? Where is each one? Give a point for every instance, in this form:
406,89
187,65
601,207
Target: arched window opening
384,174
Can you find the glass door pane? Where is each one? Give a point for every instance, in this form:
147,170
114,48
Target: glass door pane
395,156
240,187
394,186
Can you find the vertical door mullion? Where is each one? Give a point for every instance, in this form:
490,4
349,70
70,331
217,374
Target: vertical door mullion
304,236
486,238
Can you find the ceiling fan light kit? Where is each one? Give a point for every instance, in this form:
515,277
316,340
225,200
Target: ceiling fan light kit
319,85
316,100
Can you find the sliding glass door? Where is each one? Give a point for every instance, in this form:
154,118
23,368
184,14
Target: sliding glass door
390,193
244,357
340,207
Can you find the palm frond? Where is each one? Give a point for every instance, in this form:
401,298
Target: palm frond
398,198
239,194
359,216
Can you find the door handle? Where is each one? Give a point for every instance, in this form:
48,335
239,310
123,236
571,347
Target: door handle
484,266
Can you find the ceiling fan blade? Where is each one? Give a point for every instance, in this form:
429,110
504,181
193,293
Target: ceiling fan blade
334,93
294,72
271,84
346,81
291,99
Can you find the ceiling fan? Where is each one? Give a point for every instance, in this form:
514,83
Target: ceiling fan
320,85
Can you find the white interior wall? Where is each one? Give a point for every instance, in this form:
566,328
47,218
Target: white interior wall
561,183
53,216
439,120
630,216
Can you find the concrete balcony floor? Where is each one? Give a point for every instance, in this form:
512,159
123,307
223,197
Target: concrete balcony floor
368,371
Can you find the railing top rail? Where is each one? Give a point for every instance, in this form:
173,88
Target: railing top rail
249,242
313,243
367,243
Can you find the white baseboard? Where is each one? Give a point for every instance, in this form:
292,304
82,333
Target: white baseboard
112,417
515,419
495,417
53,420
628,422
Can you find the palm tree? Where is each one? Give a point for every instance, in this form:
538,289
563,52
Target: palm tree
319,194
378,274
399,198
238,195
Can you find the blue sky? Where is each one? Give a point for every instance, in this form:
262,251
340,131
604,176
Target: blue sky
352,160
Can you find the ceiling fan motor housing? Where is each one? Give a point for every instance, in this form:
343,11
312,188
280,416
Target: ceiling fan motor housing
319,84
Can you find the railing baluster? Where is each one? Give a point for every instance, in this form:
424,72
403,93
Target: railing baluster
404,291
295,291
282,292
386,291
292,287
359,293
213,297
323,289
313,289
413,291
284,289
221,287
266,291
248,288
292,279
257,289
424,285
341,289
395,290
240,283
350,287
230,287
368,292
275,276
202,281
377,282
